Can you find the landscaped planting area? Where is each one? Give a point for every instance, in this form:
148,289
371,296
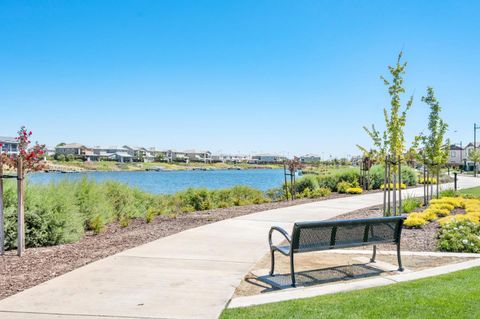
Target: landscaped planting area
454,295
458,219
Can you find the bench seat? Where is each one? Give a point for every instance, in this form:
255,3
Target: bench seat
324,235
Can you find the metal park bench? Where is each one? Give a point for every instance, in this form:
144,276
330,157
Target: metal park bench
317,236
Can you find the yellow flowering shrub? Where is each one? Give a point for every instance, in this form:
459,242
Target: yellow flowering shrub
439,211
390,186
446,206
414,220
428,215
459,218
354,190
431,180
467,217
445,220
456,202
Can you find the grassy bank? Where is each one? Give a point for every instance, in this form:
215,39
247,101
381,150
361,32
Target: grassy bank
62,212
116,166
453,295
471,191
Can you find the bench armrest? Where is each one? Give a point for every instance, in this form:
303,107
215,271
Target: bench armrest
281,231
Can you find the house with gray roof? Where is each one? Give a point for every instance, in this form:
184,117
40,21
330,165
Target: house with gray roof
9,144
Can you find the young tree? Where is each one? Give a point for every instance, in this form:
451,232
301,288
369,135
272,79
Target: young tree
392,140
435,146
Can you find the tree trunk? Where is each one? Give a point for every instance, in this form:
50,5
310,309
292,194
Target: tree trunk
20,217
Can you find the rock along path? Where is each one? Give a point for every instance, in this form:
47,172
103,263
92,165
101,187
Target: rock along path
192,274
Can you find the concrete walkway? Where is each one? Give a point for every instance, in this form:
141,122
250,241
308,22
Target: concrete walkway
192,274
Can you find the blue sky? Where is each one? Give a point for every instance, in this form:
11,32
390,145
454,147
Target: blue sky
232,76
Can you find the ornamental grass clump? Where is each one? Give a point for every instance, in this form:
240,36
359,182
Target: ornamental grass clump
410,204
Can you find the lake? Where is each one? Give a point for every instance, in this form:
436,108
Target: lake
168,182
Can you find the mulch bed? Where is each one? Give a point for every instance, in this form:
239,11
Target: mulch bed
413,239
41,264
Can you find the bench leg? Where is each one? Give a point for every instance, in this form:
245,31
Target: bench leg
292,269
400,267
374,254
272,268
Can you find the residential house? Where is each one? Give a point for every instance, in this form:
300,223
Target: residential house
9,145
456,156
139,154
199,156
75,149
469,165
268,158
310,158
228,158
112,153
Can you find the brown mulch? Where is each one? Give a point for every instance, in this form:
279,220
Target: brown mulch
41,264
413,239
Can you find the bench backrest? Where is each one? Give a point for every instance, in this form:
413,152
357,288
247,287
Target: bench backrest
311,236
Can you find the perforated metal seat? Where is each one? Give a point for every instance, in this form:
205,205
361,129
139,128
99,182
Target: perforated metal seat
317,236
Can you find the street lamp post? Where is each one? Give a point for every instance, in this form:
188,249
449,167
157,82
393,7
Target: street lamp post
475,128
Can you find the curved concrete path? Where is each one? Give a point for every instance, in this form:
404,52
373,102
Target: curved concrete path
192,274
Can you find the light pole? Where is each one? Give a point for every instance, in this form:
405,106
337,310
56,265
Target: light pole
475,128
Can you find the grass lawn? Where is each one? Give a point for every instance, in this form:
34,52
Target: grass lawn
455,295
471,191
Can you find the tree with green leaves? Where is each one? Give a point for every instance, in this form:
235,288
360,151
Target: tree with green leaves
392,140
435,147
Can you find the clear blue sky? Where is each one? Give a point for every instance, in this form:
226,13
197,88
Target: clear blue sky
231,76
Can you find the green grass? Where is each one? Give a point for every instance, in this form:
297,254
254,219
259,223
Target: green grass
454,295
471,191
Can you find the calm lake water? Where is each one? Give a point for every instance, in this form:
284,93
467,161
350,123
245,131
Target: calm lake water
174,181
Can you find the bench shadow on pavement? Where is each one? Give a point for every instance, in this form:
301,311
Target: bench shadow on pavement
315,277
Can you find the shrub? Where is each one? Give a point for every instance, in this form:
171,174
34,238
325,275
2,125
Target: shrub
61,212
354,190
342,187
194,199
124,221
307,181
331,179
276,194
390,186
97,224
409,176
448,193
414,220
438,211
459,236
430,180
410,204
428,215
443,206
150,215
320,192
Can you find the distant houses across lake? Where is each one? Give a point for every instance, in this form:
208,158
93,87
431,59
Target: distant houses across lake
130,153
133,153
